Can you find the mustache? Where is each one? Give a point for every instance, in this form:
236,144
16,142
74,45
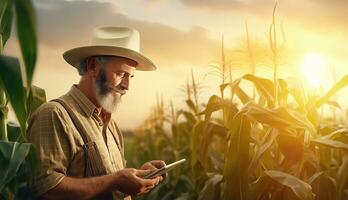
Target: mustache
116,89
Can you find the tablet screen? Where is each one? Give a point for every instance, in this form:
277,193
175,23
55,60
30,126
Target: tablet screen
164,169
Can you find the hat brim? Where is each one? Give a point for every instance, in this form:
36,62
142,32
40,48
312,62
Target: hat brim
76,55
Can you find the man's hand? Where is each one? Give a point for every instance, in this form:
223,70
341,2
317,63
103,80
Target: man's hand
130,181
127,181
153,165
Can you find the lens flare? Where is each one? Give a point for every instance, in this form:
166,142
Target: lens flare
314,69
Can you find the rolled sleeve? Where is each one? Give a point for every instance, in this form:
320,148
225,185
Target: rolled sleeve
43,184
48,132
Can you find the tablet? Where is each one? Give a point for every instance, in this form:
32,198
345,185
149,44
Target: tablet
163,170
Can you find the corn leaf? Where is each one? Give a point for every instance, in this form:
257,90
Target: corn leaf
10,74
6,16
189,117
37,96
243,96
185,196
259,188
300,96
283,91
339,135
233,85
291,145
300,188
334,104
324,187
331,143
314,117
25,18
218,130
13,131
341,177
280,118
194,142
12,156
191,105
237,160
207,135
215,103
264,86
211,189
265,144
333,90
236,90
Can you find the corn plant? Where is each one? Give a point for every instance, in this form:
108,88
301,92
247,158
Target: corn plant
260,151
17,158
276,144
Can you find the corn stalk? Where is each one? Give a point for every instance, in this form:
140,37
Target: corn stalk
3,115
275,53
5,19
252,63
223,64
3,103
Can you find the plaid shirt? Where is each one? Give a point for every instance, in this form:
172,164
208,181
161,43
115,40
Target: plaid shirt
59,144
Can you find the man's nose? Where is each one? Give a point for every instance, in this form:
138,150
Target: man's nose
125,83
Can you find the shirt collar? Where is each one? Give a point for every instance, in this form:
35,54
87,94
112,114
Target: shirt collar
86,105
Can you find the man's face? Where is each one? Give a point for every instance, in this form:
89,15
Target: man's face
113,80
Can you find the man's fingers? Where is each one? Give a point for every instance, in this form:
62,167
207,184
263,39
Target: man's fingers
144,191
149,183
158,163
148,165
134,183
158,180
142,172
146,184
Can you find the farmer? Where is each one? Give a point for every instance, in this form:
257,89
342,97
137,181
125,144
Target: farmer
80,147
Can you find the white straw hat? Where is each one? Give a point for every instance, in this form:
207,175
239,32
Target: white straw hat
111,41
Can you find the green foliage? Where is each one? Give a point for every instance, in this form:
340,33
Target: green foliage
37,96
301,189
13,86
323,185
17,158
12,156
256,150
334,89
6,15
237,159
25,21
17,161
275,144
212,188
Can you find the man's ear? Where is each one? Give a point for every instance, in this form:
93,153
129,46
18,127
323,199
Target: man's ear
92,67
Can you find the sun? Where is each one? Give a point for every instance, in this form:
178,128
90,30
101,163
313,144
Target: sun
314,69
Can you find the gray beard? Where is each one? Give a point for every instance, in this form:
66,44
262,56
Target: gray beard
107,98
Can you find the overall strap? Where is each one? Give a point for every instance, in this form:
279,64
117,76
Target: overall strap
94,166
80,128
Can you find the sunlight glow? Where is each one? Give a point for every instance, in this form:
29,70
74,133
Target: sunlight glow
314,69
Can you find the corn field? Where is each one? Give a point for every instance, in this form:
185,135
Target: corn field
269,144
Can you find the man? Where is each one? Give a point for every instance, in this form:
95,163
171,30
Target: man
80,146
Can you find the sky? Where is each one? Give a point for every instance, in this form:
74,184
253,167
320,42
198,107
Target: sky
181,36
